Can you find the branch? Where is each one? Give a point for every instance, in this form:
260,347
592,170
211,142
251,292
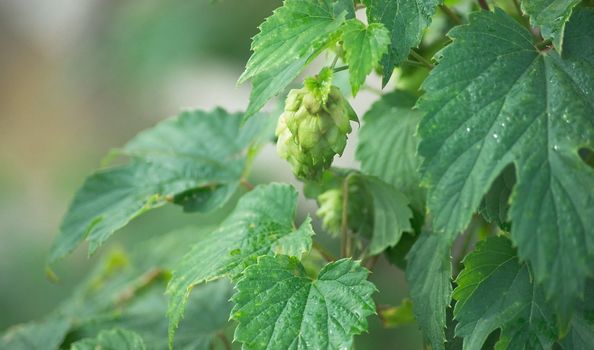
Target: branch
451,14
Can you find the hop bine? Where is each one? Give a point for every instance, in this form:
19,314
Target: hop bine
313,127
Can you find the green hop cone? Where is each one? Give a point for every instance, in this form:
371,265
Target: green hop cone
313,127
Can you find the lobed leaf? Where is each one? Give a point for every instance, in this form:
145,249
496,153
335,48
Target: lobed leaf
44,335
288,40
120,339
195,159
261,224
406,20
279,307
495,99
364,46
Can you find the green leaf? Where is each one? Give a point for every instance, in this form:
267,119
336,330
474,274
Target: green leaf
406,20
429,273
496,291
364,46
495,203
262,223
493,100
119,339
391,214
45,335
127,291
288,40
388,143
279,307
397,316
195,159
551,16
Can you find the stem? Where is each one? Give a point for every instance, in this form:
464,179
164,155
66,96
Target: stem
414,63
371,262
518,7
340,69
451,14
324,252
421,59
483,4
225,341
247,184
372,89
334,62
345,243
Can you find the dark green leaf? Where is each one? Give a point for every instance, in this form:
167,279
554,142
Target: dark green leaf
429,273
493,100
495,292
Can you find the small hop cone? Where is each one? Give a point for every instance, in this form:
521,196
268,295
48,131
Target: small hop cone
313,129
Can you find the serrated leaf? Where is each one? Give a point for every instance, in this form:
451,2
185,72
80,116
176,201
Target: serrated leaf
406,20
45,335
495,99
364,46
495,203
195,159
551,16
387,146
391,214
429,273
119,339
495,291
288,40
279,307
262,223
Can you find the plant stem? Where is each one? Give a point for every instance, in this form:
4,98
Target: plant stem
225,341
421,59
324,252
518,7
345,243
334,61
451,14
247,184
371,262
340,69
372,89
483,4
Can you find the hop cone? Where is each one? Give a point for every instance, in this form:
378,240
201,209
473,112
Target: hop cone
313,129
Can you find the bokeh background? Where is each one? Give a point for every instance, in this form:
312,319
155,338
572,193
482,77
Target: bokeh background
78,78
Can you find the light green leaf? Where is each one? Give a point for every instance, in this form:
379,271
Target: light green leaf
493,100
388,143
288,40
45,335
406,20
391,214
195,159
116,339
262,223
127,291
279,307
364,46
496,291
429,273
551,16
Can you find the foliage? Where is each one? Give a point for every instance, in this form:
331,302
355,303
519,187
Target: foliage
477,184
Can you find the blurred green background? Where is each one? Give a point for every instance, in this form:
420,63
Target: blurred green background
81,77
